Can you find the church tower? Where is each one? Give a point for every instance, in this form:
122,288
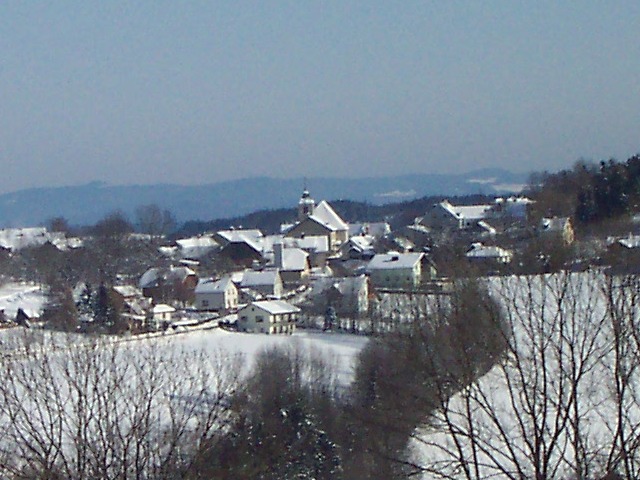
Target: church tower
305,205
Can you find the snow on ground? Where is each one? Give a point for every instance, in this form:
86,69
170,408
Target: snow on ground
336,347
30,297
550,409
339,349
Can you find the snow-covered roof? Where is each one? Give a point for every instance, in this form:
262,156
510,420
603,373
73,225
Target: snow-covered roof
478,250
466,212
211,286
285,227
274,307
151,278
251,235
375,229
632,241
472,212
29,297
294,260
19,238
325,215
127,291
416,227
253,278
394,260
65,243
313,243
195,247
168,251
362,243
488,228
162,308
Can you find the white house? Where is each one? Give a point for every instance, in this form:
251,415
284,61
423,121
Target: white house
396,270
216,295
160,315
270,316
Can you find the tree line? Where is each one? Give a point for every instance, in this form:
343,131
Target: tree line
589,192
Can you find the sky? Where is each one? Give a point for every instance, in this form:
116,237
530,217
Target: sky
154,91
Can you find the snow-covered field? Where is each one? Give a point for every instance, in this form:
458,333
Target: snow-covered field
341,349
67,391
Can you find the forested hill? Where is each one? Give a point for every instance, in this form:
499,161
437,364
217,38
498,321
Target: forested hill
590,192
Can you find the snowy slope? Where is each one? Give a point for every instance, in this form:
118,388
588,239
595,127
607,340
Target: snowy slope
549,410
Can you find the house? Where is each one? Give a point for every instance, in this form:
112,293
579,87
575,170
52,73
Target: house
196,247
216,295
319,219
132,304
159,317
242,247
396,270
359,247
224,237
488,254
374,229
559,227
292,263
267,282
445,215
172,283
317,246
270,316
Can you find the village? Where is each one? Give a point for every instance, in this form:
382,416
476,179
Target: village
317,272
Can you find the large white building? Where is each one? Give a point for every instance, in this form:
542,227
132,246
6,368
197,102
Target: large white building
270,316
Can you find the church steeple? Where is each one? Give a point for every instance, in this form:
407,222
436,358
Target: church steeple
305,205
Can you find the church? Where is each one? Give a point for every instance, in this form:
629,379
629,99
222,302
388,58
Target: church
319,220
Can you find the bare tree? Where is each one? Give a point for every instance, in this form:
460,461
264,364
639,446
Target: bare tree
563,402
79,410
154,221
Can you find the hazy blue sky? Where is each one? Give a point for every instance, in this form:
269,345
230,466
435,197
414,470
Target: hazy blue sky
195,92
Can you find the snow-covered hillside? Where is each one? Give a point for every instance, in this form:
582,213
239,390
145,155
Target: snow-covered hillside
565,402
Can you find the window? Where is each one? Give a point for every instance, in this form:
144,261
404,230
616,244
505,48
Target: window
205,303
259,319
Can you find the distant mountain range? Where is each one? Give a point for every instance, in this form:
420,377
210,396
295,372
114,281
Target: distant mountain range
86,204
